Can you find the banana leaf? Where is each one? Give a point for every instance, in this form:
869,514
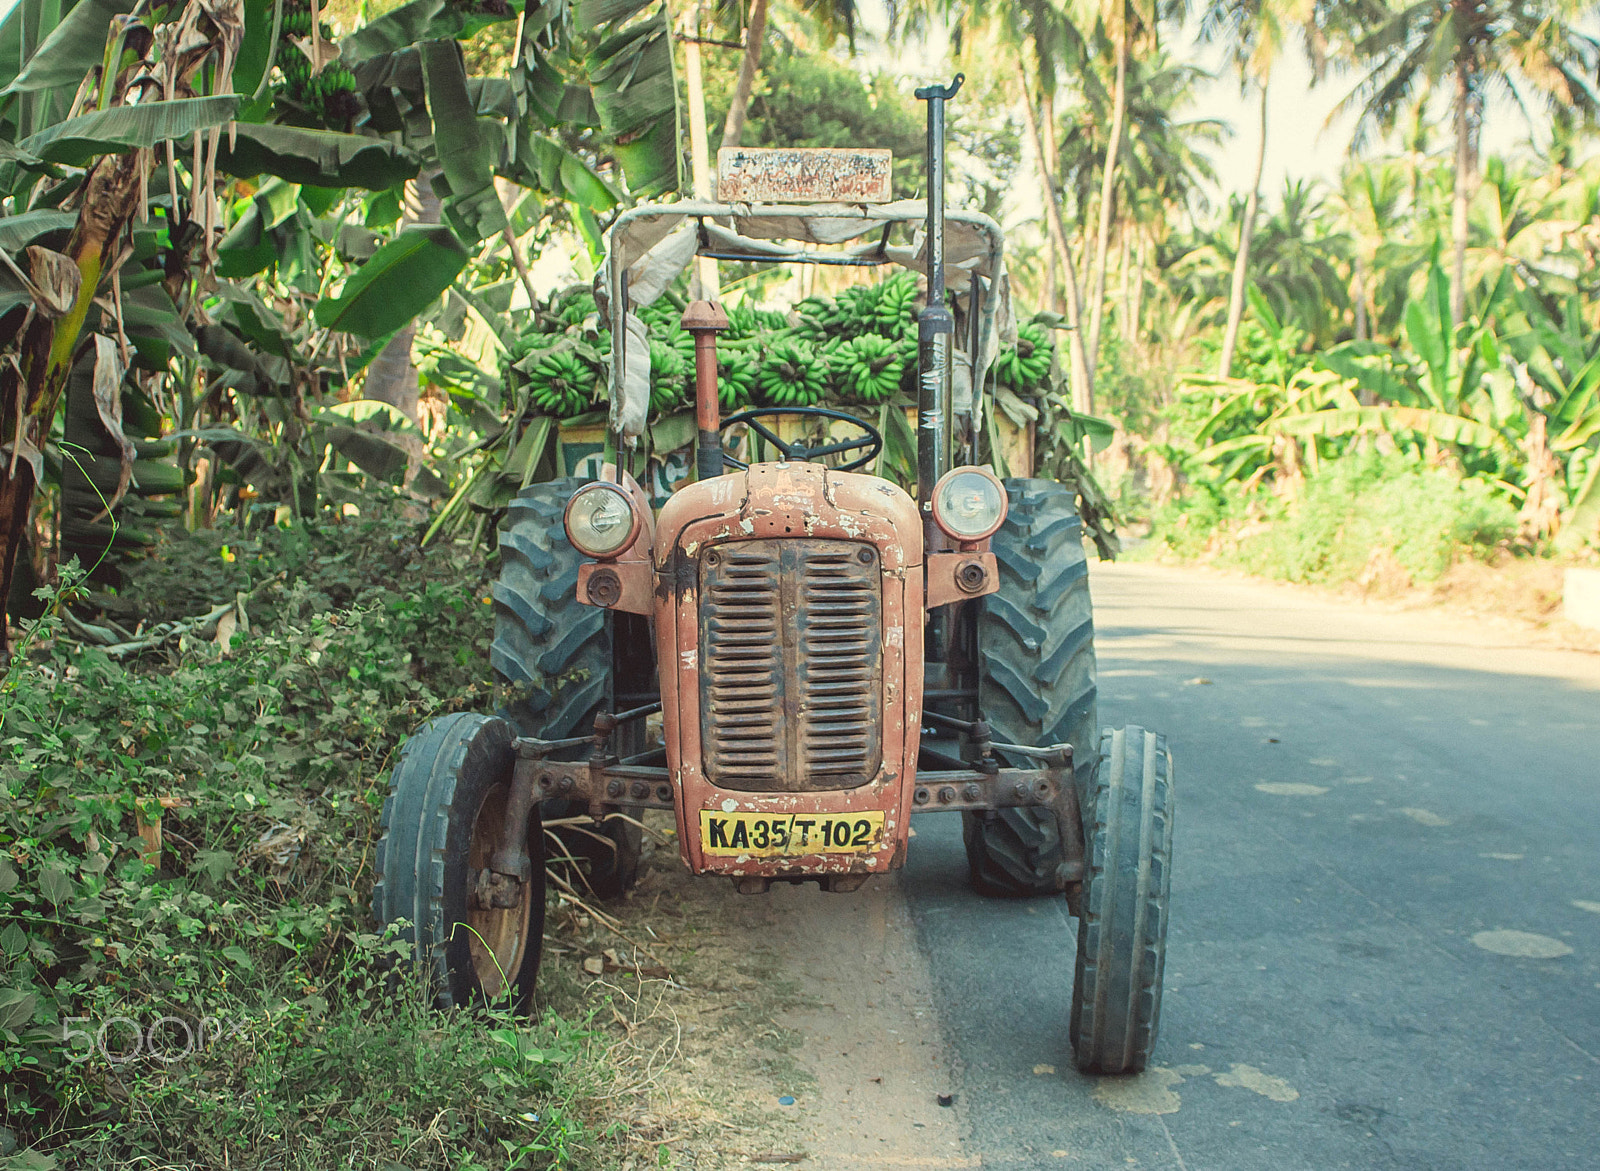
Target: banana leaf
373,415
371,453
594,13
421,20
1350,420
78,141
74,48
1373,366
1581,521
635,95
155,326
12,291
465,155
320,158
402,279
251,62
544,163
1259,444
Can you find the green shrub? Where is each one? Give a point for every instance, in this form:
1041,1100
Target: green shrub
1367,514
266,762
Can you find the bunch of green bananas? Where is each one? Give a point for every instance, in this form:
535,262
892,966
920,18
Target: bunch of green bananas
662,315
868,368
296,18
892,304
1028,364
576,308
562,384
331,94
791,375
809,317
668,373
736,381
851,312
745,321
296,72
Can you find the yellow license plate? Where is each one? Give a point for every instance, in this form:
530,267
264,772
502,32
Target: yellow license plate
776,835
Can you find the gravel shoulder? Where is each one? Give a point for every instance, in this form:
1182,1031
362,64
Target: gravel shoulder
724,1005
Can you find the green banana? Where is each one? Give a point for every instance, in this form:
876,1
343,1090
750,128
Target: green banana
868,368
667,376
791,374
562,385
1026,365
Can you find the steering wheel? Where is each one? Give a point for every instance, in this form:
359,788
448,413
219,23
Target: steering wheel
871,437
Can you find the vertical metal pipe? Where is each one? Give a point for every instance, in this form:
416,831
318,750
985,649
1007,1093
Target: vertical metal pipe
935,324
974,405
705,319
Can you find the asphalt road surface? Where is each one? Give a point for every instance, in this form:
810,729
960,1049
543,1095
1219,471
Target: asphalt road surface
1385,932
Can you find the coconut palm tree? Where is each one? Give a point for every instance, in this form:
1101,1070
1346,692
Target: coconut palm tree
1367,204
1471,49
1256,33
830,18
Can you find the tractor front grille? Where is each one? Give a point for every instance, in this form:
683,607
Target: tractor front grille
791,665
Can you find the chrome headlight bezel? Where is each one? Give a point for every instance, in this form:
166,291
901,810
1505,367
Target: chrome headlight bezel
969,520
600,499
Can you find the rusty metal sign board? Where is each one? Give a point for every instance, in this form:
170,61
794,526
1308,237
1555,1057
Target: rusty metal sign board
803,175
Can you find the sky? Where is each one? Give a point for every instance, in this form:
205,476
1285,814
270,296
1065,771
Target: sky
1300,142
1304,138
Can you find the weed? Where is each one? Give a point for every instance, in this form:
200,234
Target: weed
188,974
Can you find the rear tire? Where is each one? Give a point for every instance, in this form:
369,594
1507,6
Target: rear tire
1036,684
441,822
559,661
1122,932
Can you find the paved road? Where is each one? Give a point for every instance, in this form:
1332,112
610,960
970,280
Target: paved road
1373,807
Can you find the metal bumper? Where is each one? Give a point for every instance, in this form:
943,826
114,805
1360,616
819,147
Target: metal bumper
606,784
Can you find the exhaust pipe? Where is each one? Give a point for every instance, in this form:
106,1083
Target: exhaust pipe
705,319
935,324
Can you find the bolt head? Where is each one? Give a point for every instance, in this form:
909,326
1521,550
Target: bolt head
605,588
972,576
972,792
613,788
641,790
1020,789
947,794
920,796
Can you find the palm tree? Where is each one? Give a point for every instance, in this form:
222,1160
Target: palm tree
1470,48
1039,36
1129,25
1256,32
832,18
1163,163
1303,262
1367,203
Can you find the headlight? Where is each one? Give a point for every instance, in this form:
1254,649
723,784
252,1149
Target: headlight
600,520
968,503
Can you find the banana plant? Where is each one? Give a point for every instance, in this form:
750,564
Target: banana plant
253,305
1444,384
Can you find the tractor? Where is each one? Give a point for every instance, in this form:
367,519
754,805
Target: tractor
830,654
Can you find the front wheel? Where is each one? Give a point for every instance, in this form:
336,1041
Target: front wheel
1122,927
478,941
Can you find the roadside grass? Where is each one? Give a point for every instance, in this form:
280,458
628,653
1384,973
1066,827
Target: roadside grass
189,973
1380,522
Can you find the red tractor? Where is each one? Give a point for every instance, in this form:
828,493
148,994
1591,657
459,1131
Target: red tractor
830,654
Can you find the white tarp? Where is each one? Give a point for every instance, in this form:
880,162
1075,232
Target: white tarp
630,382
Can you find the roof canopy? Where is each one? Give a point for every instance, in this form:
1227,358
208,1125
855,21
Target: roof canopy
651,244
